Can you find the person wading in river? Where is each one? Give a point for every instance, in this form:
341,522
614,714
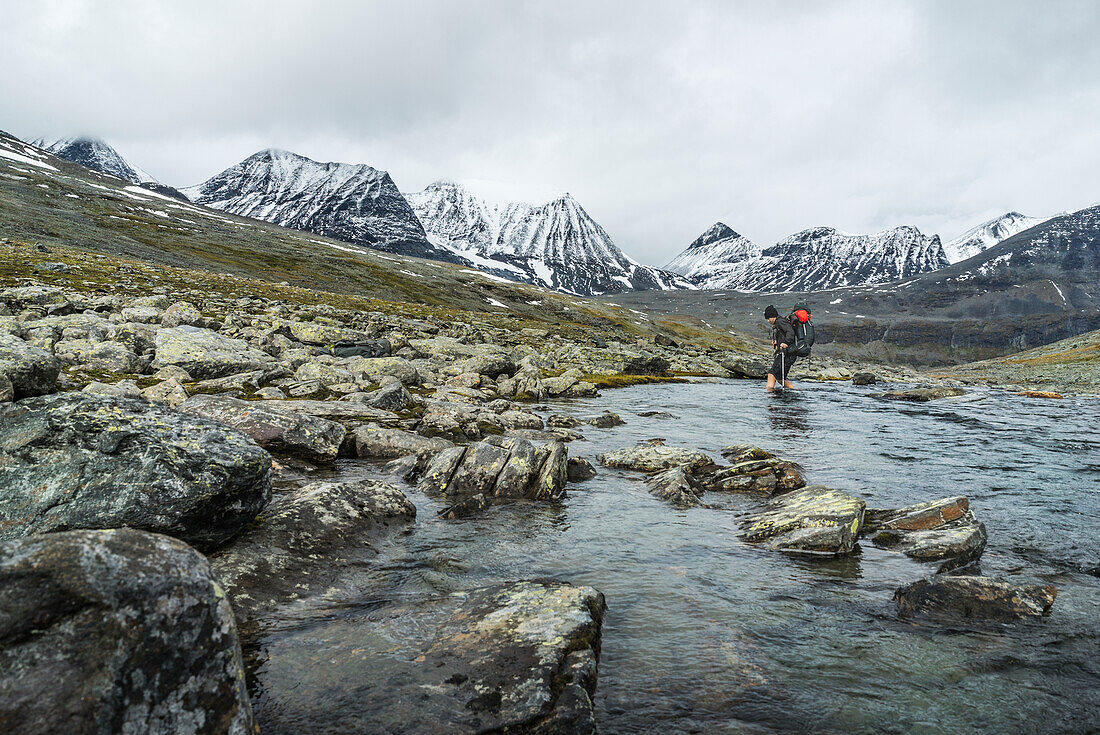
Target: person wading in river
783,337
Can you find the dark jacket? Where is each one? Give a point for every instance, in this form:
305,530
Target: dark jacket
783,331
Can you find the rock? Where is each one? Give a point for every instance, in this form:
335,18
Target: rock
655,415
864,379
651,458
76,460
1040,394
297,435
206,354
606,420
579,469
325,372
393,397
116,631
520,420
550,484
7,390
109,357
346,413
375,443
122,389
519,657
169,392
376,367
180,313
746,366
814,520
921,395
277,558
920,517
644,365
363,348
169,372
514,468
975,598
560,421
941,530
674,485
316,333
271,393
31,370
139,339
755,476
466,507
738,453
481,465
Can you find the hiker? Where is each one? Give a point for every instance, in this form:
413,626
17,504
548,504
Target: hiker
783,336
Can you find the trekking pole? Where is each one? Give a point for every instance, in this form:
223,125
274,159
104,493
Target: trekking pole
782,368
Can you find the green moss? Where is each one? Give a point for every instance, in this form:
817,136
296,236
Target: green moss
623,380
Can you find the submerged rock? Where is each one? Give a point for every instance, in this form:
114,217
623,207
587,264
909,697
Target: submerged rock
78,460
815,519
606,420
466,507
921,395
519,657
675,485
116,631
298,435
979,598
651,458
300,542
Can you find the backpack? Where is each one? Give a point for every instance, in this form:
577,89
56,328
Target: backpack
803,332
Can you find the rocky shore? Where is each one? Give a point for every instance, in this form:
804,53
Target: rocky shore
149,502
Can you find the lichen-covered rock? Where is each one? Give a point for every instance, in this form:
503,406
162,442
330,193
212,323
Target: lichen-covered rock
742,366
317,333
941,530
466,507
974,598
738,453
77,460
280,556
377,443
347,413
122,389
921,395
298,435
7,390
651,458
519,657
813,520
508,468
393,397
754,476
169,392
606,420
919,517
31,370
111,357
180,313
116,631
377,367
206,354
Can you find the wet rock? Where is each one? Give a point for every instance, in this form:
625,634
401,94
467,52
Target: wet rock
644,364
561,421
465,508
755,476
941,530
920,517
974,598
76,460
377,443
1040,394
864,379
31,370
7,390
655,415
512,468
651,458
921,395
814,520
519,657
297,435
746,366
579,469
206,354
280,556
550,484
116,631
738,453
169,392
674,485
606,420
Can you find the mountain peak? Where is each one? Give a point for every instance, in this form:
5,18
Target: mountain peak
96,154
984,236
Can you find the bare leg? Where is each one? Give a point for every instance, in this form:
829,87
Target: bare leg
770,387
787,384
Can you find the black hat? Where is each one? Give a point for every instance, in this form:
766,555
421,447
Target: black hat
770,312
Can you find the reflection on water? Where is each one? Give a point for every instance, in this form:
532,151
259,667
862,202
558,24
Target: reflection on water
707,634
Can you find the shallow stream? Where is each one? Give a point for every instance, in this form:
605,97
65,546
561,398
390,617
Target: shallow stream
705,633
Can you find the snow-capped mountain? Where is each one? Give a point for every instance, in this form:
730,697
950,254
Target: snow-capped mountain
988,234
97,155
351,202
556,244
719,258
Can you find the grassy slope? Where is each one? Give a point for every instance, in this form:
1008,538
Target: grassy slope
1068,365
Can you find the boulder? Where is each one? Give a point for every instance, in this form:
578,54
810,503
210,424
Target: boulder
651,458
749,366
349,414
116,631
644,364
169,392
376,367
561,421
864,379
77,460
317,333
518,657
31,370
813,520
579,469
465,508
674,485
377,443
753,476
276,559
7,390
392,397
921,395
206,354
974,598
122,389
182,312
512,468
138,338
920,517
280,432
606,420
940,530
1040,394
108,357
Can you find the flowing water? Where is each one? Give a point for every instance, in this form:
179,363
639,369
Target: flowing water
707,634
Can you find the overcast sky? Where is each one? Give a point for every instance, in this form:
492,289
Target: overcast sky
660,118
